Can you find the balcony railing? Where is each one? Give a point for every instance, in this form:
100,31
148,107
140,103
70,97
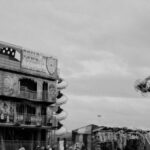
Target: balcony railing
29,119
61,116
25,93
33,95
28,94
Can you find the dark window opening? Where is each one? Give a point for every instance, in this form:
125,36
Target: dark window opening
43,114
28,88
20,108
26,113
30,115
25,109
43,111
45,91
43,135
28,84
31,110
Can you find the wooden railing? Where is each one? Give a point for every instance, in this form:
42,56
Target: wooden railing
27,119
32,95
26,93
30,119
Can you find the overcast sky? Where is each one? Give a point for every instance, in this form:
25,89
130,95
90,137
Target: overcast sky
103,47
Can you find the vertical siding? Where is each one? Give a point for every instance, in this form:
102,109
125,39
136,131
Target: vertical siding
9,64
1,81
39,89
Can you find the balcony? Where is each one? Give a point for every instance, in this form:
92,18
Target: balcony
34,95
28,94
61,116
25,93
29,119
26,119
61,99
62,84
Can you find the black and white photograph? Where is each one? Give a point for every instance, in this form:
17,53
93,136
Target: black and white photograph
74,75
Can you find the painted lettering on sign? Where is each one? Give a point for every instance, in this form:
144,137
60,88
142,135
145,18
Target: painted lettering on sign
38,62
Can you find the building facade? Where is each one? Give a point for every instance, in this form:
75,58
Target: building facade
30,98
82,137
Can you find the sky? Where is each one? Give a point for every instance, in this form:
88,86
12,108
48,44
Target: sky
102,47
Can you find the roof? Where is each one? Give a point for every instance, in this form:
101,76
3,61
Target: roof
85,129
116,129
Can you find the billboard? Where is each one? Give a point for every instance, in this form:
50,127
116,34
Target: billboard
38,62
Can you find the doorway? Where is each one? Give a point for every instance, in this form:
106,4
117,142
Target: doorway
45,91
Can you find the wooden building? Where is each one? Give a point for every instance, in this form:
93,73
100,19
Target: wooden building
83,137
30,98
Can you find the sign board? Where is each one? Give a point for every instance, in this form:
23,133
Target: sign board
38,62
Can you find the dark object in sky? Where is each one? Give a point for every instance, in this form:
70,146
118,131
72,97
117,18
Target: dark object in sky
143,85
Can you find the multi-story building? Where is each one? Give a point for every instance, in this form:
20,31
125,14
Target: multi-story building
30,98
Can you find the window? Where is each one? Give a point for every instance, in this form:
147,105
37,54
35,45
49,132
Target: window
20,108
28,88
45,91
28,84
31,110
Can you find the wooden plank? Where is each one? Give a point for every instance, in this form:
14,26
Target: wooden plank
9,63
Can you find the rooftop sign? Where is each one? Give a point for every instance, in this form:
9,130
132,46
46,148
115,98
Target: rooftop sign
21,59
38,62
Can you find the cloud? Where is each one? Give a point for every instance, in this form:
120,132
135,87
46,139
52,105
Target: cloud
105,67
96,63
